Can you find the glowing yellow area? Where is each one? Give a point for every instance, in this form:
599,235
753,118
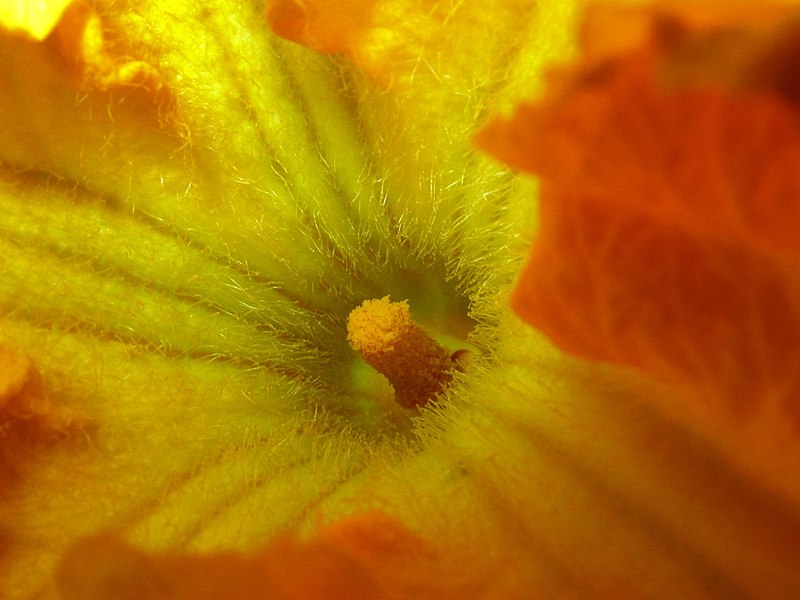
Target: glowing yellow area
385,335
36,19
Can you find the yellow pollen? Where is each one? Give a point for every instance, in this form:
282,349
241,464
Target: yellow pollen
387,338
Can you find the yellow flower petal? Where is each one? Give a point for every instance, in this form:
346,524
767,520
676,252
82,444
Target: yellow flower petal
190,292
188,287
415,52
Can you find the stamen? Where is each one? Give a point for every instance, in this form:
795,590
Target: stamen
386,336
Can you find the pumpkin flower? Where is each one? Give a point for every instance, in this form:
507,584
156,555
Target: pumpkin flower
256,291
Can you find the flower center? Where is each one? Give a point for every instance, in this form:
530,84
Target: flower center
387,338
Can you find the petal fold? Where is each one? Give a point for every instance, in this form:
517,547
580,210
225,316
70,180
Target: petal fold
74,91
668,164
368,556
403,43
324,26
666,239
98,64
32,19
27,417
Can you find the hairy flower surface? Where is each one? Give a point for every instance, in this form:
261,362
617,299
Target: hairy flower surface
194,197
